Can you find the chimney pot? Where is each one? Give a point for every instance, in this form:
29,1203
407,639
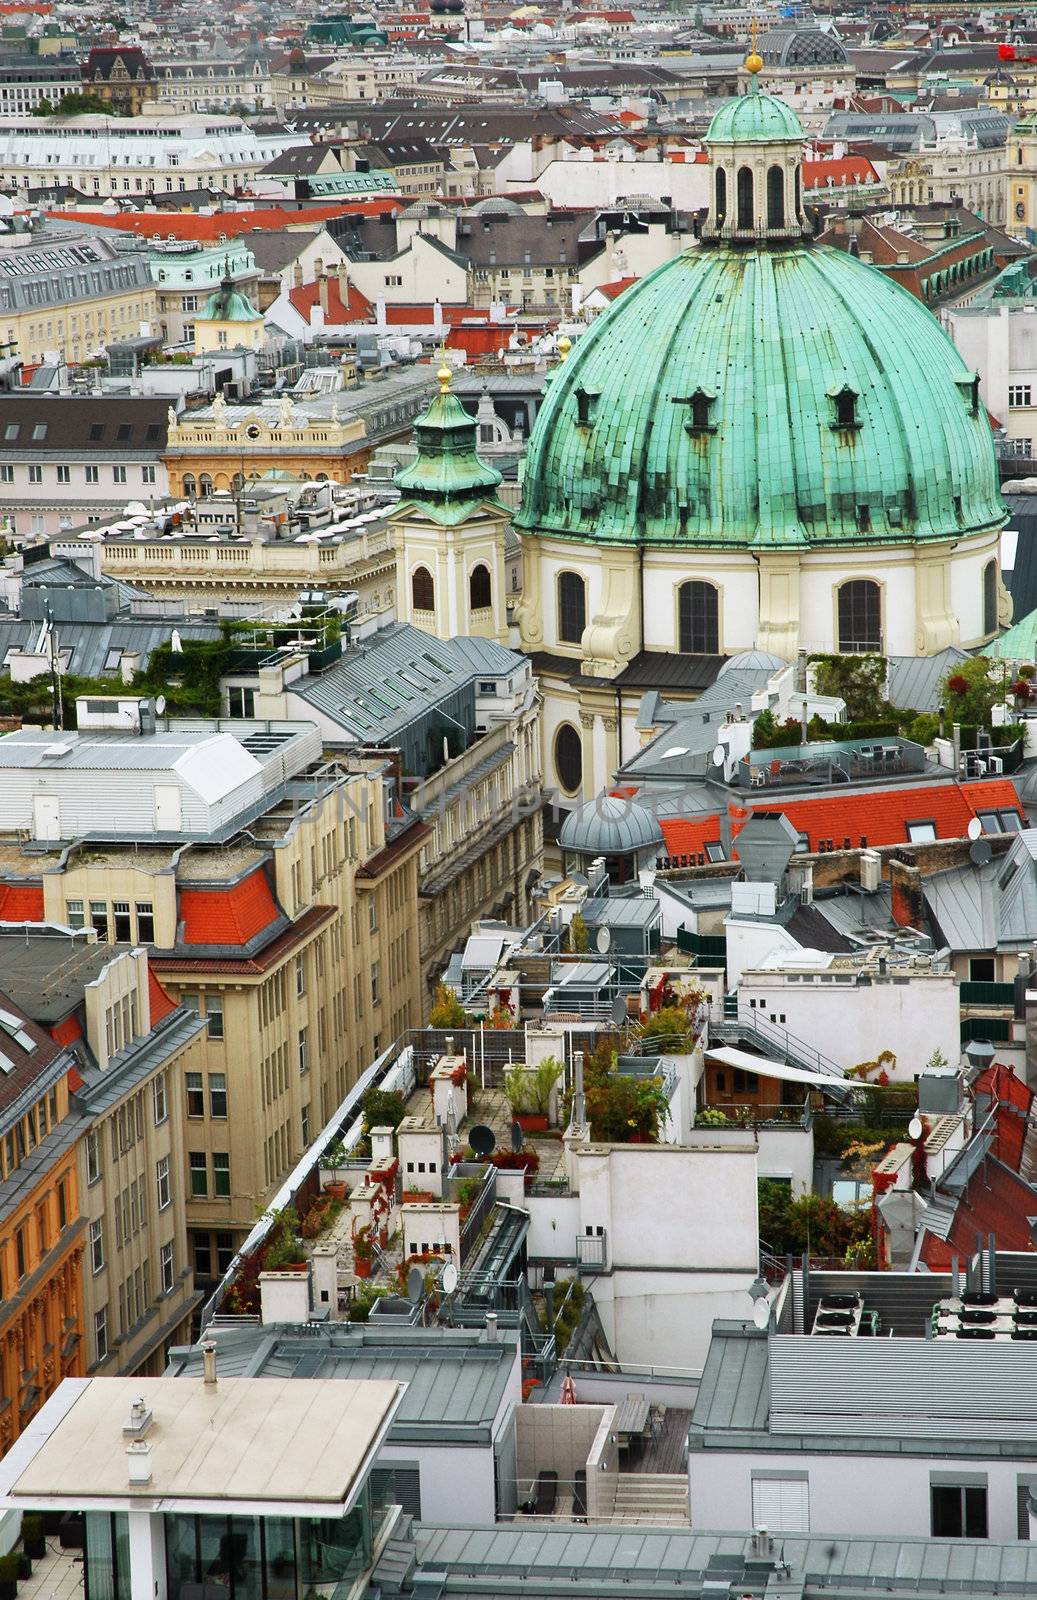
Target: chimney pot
209,1364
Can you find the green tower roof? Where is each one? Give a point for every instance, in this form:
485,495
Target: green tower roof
769,396
448,476
227,304
754,118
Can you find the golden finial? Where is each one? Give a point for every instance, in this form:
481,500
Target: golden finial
754,60
565,344
444,375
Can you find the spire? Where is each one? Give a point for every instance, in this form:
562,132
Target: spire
754,60
448,479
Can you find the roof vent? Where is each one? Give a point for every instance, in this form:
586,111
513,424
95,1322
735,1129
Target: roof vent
139,1420
138,1461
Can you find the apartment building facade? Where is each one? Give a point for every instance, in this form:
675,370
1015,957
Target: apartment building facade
70,459
131,1044
278,897
70,294
42,1233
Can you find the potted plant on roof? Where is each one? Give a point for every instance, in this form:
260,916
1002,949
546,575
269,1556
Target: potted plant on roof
363,1251
9,1573
34,1539
528,1091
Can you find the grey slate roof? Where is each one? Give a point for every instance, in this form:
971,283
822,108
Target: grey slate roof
386,682
915,682
90,642
981,908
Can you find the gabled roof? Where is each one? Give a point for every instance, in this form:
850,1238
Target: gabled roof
355,308
882,815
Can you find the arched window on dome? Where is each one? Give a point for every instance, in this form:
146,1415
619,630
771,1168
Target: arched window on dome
422,590
745,197
698,618
860,617
480,596
569,758
720,204
775,197
572,607
990,597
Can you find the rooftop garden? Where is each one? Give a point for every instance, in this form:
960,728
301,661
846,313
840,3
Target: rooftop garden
969,694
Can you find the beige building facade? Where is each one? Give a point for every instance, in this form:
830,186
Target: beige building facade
138,1284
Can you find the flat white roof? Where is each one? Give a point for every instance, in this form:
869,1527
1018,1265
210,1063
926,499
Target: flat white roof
291,1442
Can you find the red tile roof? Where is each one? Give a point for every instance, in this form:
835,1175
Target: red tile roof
356,308
266,958
848,817
228,915
996,1200
21,902
221,224
613,290
160,1003
882,815
844,170
688,836
67,1032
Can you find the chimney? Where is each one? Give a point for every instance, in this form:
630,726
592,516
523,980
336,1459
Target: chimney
209,1364
905,887
138,1463
491,1327
322,292
579,1115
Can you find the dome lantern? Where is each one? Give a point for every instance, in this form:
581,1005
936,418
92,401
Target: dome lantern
756,143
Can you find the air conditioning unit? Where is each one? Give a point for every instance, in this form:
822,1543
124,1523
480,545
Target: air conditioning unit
871,871
995,763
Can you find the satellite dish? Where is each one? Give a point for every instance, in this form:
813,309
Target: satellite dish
914,1128
719,756
517,1137
981,853
762,1314
160,705
482,1139
449,1278
603,941
975,828
415,1285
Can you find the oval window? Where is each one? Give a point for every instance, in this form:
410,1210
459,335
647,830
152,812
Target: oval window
569,758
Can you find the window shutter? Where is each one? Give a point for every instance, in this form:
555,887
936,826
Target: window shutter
781,1504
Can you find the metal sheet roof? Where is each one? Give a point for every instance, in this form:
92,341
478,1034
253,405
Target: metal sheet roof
638,1560
915,682
733,1392
903,1388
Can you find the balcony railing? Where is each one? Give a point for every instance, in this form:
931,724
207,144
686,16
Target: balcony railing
591,1251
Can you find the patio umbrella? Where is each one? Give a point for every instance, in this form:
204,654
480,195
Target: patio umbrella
568,1395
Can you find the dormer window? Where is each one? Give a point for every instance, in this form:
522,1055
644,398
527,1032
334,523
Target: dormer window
968,384
701,402
844,401
587,406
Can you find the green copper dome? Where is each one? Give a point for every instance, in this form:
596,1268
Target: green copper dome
777,395
448,475
754,118
227,304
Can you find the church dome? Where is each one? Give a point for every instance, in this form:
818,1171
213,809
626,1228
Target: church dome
774,393
754,118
